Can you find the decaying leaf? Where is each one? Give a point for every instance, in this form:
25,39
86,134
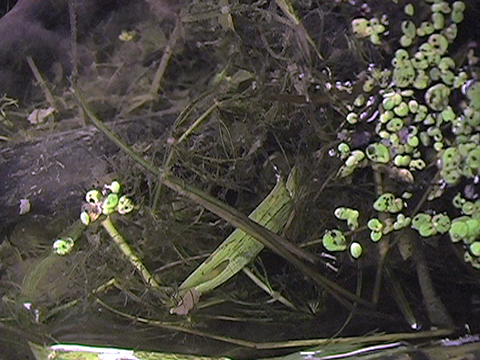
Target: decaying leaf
188,301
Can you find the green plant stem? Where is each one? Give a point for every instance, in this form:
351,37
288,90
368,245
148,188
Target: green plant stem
131,256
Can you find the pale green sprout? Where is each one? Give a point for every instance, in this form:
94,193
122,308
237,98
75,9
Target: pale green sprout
125,205
417,164
114,187
448,114
420,219
397,98
448,77
451,177
413,141
435,132
457,16
388,203
352,118
375,225
376,236
407,92
451,32
442,223
85,218
424,224
377,26
386,116
405,41
441,6
473,95
473,158
439,43
388,226
446,63
403,73
421,81
437,97
451,158
475,262
361,27
402,160
355,158
409,9
109,205
472,117
63,246
458,230
353,161
438,146
473,229
421,114
457,12
465,148
359,100
383,202
409,29
419,61
93,196
427,230
438,21
334,240
383,134
368,85
394,125
391,100
350,215
460,79
458,6
434,73
377,152
468,208
356,250
477,208
407,195
401,222
401,109
343,149
426,28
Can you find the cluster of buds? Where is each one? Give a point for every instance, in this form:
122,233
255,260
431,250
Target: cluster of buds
105,202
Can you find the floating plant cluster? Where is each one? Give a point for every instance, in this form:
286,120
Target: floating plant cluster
415,116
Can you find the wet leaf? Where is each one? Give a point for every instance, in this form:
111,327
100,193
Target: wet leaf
187,302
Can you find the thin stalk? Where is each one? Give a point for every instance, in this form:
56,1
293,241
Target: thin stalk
381,338
131,256
48,94
167,54
401,300
169,158
274,294
197,123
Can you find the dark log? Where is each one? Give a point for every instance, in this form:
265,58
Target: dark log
53,172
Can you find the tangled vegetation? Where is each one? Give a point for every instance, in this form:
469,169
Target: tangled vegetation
375,105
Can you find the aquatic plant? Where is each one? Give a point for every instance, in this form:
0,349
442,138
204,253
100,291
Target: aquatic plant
417,126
